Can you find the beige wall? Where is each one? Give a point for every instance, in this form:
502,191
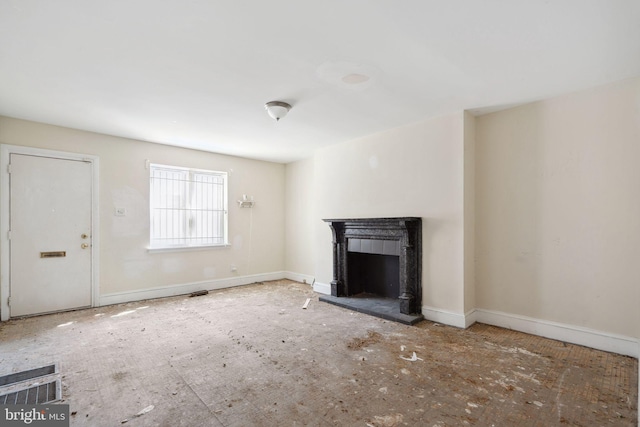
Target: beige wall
533,211
415,170
558,209
300,246
255,235
469,212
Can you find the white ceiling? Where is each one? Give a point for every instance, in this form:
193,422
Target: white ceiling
197,73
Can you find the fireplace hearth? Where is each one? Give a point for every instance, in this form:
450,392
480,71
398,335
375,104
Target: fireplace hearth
377,267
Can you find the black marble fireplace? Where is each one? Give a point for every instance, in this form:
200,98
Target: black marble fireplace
377,267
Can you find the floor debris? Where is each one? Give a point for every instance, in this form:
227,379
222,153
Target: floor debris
139,414
306,303
214,352
145,410
413,357
198,293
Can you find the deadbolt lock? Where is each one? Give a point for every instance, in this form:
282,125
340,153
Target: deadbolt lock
84,246
84,236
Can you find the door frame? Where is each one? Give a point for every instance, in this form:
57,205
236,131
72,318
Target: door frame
5,212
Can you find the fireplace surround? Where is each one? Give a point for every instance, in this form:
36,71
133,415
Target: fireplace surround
377,266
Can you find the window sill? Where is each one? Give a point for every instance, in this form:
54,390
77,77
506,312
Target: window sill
187,248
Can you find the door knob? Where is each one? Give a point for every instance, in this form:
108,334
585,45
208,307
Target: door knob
84,246
84,236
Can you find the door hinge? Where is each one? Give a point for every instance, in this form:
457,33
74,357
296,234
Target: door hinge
9,235
9,301
9,168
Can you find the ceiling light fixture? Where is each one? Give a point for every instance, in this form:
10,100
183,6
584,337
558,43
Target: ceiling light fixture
277,109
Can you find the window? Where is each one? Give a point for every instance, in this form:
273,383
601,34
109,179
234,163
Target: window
188,207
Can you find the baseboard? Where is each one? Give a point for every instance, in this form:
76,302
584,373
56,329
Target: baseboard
470,318
322,288
186,288
302,278
446,317
562,332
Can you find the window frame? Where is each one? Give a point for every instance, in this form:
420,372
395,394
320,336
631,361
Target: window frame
155,244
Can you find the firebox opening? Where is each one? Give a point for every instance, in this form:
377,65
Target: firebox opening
373,274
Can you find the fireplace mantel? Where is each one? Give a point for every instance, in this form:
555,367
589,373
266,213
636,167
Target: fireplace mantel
404,239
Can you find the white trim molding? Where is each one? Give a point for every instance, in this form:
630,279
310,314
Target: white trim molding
470,318
562,332
322,288
558,331
297,277
187,288
446,317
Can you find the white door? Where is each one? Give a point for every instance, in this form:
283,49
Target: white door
50,243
